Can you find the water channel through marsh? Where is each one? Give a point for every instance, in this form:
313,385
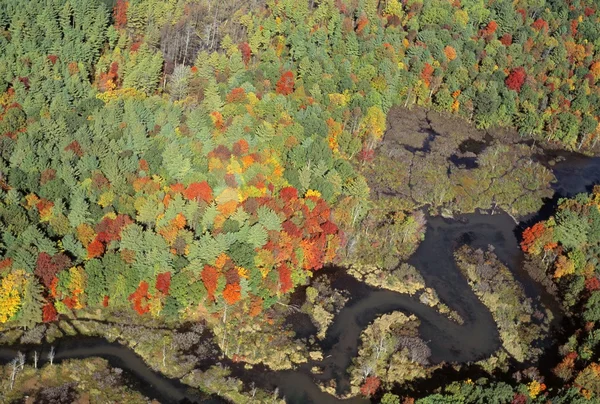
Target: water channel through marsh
476,339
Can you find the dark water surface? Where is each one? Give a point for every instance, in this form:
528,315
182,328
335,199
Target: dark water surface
476,339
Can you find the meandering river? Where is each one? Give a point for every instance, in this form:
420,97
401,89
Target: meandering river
476,339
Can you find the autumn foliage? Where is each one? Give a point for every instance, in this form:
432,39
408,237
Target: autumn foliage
210,277
540,25
95,249
49,313
285,84
285,278
120,13
140,298
48,266
163,282
370,386
199,191
450,52
232,293
531,234
427,74
246,52
516,79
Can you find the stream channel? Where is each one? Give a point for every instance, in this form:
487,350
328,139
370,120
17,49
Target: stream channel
476,339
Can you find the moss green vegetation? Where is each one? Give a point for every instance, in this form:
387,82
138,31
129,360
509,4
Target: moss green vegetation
75,381
322,303
513,312
403,279
390,351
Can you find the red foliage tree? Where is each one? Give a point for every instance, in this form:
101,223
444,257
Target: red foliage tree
210,276
5,263
531,234
370,386
519,399
285,84
574,25
290,228
199,191
288,194
506,39
592,284
240,147
516,79
540,25
329,227
75,148
25,81
49,313
139,298
136,46
120,13
285,278
237,94
95,249
246,52
47,266
70,301
366,155
163,282
52,58
105,301
110,229
490,28
143,165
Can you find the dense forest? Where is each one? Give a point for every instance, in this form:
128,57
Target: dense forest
199,161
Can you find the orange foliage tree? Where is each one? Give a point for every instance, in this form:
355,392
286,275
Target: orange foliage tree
140,298
232,293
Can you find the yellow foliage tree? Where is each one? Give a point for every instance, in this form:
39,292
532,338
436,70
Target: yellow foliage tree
564,266
10,297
